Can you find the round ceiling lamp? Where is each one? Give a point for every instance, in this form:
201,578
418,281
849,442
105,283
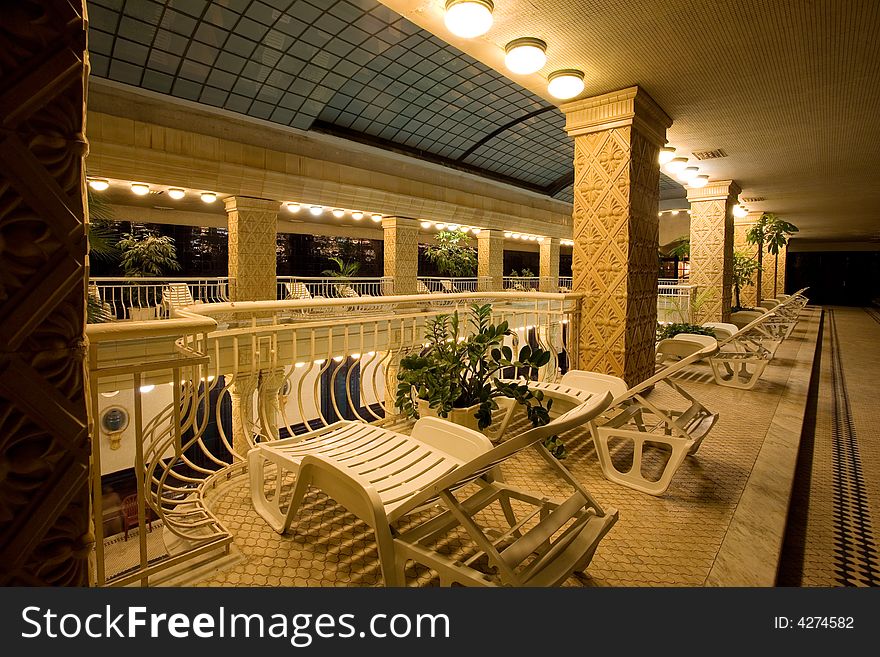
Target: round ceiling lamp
357,215
293,207
316,210
566,83
426,224
739,211
676,164
376,217
176,193
338,213
209,197
468,18
699,181
99,184
525,55
666,154
140,189
687,174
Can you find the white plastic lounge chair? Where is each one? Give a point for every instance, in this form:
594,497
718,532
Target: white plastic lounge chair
382,476
297,290
723,330
447,285
422,288
176,296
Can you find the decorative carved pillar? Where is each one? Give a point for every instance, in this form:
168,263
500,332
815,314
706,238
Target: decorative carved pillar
401,254
747,294
549,270
617,138
490,257
269,389
253,226
241,394
712,248
772,275
45,537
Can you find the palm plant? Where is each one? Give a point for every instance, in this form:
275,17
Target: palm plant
744,268
344,270
772,233
452,254
102,239
147,254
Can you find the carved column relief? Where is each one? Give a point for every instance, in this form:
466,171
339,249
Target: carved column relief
401,245
241,395
253,226
490,258
45,536
712,249
269,387
747,294
549,267
769,276
617,138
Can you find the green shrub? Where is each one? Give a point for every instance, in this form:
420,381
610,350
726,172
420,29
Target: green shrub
670,330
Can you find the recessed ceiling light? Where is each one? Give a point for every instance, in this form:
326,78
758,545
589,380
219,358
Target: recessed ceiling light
426,225
566,83
464,229
376,217
338,213
673,212
146,389
99,184
676,164
176,193
357,216
666,154
209,197
687,173
441,226
525,55
316,210
140,189
515,236
468,18
508,234
699,181
476,231
293,207
739,211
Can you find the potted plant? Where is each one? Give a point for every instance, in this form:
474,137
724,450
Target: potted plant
521,279
772,233
671,330
147,254
102,240
344,271
457,377
744,268
452,254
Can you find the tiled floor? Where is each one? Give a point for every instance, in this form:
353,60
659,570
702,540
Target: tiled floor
670,540
831,538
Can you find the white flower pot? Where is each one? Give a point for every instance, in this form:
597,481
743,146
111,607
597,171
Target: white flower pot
461,416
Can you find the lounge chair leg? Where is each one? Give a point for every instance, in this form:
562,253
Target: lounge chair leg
391,573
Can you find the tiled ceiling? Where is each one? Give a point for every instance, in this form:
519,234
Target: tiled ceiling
349,67
788,89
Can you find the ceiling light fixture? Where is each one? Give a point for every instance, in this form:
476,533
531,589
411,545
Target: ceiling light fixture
464,229
99,184
699,181
440,226
376,217
508,234
148,388
739,211
338,213
140,189
468,18
476,231
565,83
176,193
515,236
357,216
525,55
687,173
666,154
294,207
426,225
315,210
209,197
676,164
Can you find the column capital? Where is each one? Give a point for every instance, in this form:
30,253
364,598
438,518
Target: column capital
627,107
713,191
249,203
400,222
751,218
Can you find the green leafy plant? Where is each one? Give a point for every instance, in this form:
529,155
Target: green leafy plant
456,370
525,273
770,233
147,254
102,238
452,254
744,268
670,330
682,248
344,270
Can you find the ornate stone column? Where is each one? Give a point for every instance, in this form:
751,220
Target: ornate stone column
712,248
241,394
747,294
401,254
549,268
253,226
617,137
770,274
269,389
45,537
490,258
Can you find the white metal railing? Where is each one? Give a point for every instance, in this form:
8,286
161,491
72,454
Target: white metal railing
675,303
565,283
305,287
154,298
447,284
522,283
283,367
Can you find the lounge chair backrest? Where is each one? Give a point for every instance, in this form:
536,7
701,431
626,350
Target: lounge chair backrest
482,464
177,295
723,330
447,285
697,338
297,290
422,288
594,382
647,384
